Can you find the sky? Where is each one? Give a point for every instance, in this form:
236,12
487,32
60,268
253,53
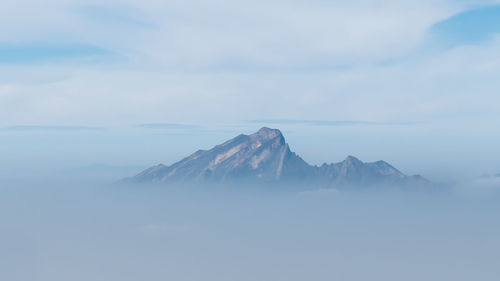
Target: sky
136,83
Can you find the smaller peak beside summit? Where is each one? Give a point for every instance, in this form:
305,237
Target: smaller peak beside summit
382,163
353,160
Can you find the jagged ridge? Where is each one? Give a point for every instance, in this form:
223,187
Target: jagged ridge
265,156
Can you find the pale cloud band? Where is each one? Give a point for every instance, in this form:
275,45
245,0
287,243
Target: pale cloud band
167,126
49,128
328,122
316,60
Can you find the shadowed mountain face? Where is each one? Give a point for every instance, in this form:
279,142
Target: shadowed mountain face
265,157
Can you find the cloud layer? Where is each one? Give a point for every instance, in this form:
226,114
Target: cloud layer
164,61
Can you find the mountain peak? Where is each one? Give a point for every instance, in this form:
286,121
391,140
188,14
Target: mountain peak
268,133
265,156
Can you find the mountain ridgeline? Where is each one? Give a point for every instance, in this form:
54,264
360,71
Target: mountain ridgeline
265,157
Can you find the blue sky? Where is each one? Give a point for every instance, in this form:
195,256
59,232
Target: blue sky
411,82
475,26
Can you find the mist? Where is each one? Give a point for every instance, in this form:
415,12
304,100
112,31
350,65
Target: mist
64,217
53,230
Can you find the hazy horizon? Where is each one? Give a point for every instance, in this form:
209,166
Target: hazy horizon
57,150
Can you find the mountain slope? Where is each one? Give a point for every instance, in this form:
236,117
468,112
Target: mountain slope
265,157
353,171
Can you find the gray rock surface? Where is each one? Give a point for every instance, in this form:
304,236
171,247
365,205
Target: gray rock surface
265,157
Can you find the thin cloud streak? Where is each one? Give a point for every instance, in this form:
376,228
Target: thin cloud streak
167,126
119,15
329,122
50,128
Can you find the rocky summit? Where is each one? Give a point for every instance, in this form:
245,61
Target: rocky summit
266,157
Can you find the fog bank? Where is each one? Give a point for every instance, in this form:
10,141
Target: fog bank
102,232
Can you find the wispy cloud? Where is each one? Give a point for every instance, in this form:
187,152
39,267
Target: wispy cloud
50,128
205,38
167,126
154,81
120,15
327,122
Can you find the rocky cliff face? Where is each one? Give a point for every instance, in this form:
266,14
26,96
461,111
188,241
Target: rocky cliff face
265,157
354,171
261,156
